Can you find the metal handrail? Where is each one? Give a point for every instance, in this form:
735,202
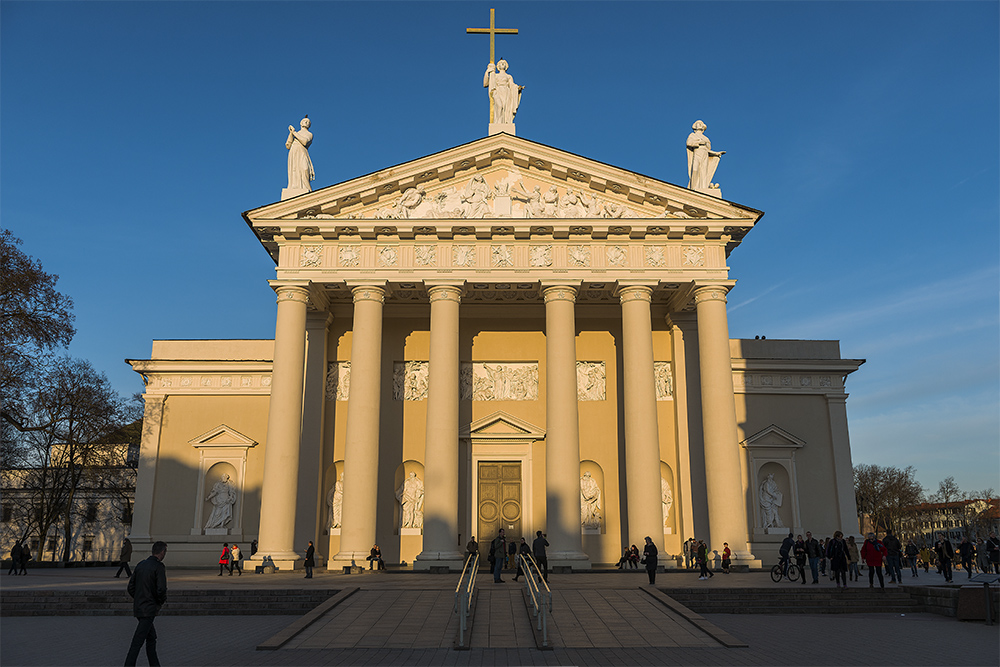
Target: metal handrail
539,593
464,592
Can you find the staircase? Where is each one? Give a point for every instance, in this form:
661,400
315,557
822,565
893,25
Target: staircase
786,600
248,602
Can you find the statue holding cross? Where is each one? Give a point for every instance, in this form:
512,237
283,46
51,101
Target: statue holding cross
504,94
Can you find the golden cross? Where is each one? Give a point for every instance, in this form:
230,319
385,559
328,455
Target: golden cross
492,31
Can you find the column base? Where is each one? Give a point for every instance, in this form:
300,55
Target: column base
574,560
345,558
284,562
430,561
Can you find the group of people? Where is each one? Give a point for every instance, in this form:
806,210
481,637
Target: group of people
503,552
698,555
231,559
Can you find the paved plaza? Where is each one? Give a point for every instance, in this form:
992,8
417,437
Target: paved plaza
407,619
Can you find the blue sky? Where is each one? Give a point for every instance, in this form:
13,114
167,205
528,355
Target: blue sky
132,136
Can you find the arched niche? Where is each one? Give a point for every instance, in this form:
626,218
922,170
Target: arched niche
776,471
403,471
215,474
597,524
670,493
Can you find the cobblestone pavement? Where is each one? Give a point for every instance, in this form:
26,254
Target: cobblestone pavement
801,639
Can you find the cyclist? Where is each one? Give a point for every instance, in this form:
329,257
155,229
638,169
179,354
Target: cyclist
786,548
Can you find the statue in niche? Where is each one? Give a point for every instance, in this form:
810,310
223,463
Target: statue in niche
222,497
300,167
702,160
335,502
667,499
505,94
590,502
476,195
410,495
770,501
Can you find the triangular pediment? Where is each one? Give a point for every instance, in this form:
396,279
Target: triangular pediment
773,437
500,177
222,436
502,426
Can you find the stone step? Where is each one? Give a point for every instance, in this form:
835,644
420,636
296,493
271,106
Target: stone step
188,603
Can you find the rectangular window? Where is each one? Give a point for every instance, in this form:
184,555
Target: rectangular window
91,513
88,544
52,544
34,546
8,512
127,515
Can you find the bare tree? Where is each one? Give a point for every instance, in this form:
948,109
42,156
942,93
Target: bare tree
948,491
887,495
71,417
34,319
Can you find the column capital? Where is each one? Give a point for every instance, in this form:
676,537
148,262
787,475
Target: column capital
710,293
559,292
368,293
628,293
449,291
291,292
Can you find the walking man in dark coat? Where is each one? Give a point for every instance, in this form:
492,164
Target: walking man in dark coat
124,559
25,557
310,561
538,550
148,588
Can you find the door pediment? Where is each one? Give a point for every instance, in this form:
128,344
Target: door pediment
501,426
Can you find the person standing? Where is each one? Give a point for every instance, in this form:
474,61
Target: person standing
965,552
894,553
538,551
522,550
703,561
124,558
25,557
812,553
511,555
224,558
692,553
912,553
727,556
237,555
15,558
472,548
837,552
799,549
873,551
649,557
945,554
148,588
853,557
993,552
498,552
310,562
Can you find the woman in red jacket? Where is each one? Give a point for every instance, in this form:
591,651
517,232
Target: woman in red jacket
873,551
224,559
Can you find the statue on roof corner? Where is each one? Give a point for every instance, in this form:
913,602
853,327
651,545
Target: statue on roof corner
504,93
300,167
702,160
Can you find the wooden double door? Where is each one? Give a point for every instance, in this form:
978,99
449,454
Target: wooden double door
499,484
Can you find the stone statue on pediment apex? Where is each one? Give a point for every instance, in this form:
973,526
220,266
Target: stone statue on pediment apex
702,160
505,94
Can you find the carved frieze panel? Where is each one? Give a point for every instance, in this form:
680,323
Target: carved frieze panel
663,376
503,256
694,255
338,381
617,256
590,381
349,255
487,381
540,256
311,255
410,380
655,257
463,255
388,256
578,255
425,255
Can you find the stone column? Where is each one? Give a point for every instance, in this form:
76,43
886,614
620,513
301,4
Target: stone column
440,548
361,441
149,452
642,438
843,468
562,431
311,494
727,510
284,423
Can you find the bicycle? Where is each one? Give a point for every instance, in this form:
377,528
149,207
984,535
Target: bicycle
791,570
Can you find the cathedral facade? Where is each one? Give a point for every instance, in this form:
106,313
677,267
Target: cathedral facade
499,335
